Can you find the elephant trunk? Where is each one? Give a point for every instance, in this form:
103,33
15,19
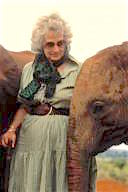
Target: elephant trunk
77,163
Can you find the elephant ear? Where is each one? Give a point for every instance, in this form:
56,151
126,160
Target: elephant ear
11,65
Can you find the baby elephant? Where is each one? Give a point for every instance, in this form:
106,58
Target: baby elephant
99,112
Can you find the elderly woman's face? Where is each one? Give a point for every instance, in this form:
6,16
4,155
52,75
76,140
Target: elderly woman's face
54,46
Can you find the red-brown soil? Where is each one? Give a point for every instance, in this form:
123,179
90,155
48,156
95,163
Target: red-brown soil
111,186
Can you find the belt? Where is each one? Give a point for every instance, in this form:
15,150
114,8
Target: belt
47,109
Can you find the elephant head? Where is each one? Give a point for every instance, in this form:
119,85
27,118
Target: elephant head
98,113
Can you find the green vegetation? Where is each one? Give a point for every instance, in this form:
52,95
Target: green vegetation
113,168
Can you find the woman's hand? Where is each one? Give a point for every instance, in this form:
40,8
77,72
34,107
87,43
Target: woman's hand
8,139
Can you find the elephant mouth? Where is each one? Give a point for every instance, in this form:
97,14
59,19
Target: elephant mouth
114,129
109,133
114,124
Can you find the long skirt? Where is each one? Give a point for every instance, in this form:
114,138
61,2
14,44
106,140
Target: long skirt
39,159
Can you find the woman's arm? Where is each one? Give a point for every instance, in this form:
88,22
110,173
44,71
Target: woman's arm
18,119
9,138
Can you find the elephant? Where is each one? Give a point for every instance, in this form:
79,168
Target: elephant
11,65
98,112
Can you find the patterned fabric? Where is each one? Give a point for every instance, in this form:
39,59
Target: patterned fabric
44,72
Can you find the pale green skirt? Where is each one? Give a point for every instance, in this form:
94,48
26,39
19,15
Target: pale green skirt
39,160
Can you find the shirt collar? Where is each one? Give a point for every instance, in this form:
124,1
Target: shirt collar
72,65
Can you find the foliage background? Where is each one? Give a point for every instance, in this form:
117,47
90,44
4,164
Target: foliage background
113,164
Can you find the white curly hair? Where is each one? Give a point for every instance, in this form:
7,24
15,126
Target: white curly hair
45,23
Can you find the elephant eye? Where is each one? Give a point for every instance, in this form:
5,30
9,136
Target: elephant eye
96,107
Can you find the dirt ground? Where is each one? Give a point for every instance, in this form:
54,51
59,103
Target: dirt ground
111,186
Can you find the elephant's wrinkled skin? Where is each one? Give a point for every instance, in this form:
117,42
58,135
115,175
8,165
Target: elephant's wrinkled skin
99,112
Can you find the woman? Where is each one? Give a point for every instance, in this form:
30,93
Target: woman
39,159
